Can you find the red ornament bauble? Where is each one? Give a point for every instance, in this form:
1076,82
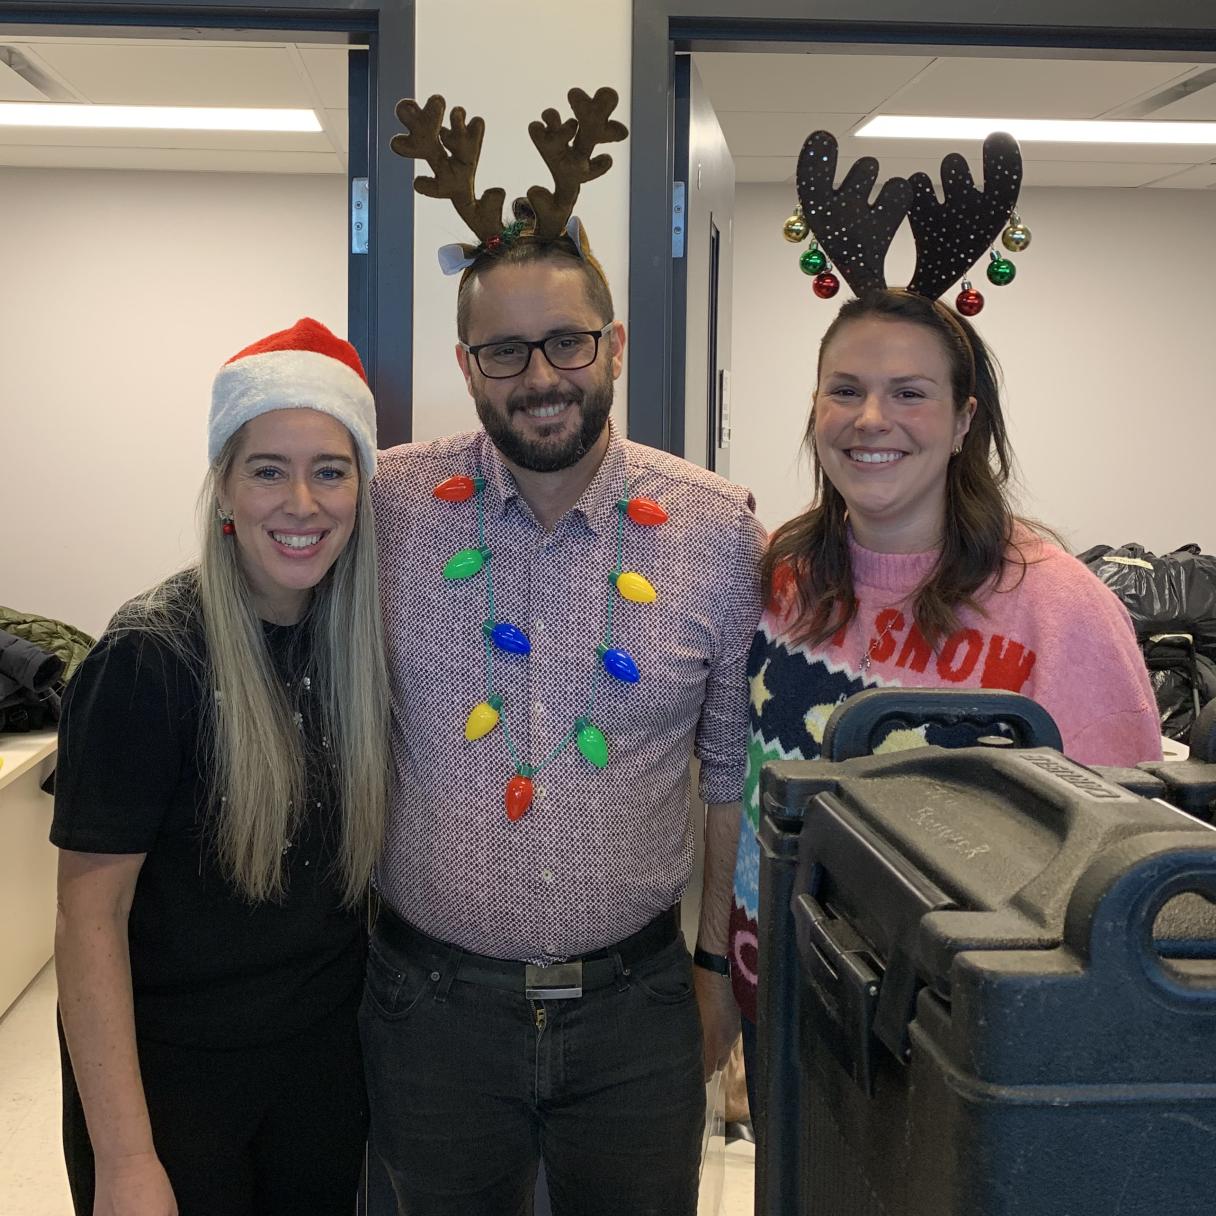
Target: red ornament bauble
646,511
518,797
825,285
455,489
969,302
228,528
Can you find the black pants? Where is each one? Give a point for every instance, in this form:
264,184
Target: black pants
259,1131
471,1085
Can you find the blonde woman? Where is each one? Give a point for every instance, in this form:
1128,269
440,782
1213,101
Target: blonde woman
219,804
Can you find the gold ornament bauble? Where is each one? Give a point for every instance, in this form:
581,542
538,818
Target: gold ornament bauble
796,228
1016,237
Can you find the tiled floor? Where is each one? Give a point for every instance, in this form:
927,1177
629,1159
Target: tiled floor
32,1181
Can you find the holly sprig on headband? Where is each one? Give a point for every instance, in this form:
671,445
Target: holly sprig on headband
452,152
950,235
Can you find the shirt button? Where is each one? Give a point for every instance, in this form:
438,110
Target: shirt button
551,948
547,875
538,793
538,710
538,626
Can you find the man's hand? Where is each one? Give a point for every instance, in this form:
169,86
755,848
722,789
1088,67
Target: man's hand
719,1017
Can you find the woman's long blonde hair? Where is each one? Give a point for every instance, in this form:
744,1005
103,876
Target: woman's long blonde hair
252,745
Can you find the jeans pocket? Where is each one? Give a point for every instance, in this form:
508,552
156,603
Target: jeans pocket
667,979
394,986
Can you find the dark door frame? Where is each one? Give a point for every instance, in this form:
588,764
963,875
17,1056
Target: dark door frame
1159,29
380,296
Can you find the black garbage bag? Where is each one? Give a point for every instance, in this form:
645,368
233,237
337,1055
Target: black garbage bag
1184,681
1173,593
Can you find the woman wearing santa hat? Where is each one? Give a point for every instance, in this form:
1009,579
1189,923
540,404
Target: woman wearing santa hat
219,804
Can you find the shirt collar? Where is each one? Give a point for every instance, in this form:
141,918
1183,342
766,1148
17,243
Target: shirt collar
598,502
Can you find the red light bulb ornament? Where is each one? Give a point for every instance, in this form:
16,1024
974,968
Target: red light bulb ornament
518,796
969,301
645,511
458,489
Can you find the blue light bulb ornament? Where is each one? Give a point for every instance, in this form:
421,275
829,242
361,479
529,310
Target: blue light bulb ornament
619,664
507,637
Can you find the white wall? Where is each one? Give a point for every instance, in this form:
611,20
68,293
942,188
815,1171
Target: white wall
1105,338
508,65
120,295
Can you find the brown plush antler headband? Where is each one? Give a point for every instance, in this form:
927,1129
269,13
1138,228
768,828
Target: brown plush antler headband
452,153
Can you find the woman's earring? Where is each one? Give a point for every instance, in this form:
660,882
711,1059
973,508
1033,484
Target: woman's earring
227,527
957,450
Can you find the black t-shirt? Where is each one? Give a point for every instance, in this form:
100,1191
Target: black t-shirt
208,967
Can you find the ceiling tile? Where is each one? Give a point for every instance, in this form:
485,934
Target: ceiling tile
328,70
16,88
777,134
764,169
181,74
179,160
746,81
1029,88
1200,105
1197,177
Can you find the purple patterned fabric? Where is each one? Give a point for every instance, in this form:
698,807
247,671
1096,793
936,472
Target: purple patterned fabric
601,852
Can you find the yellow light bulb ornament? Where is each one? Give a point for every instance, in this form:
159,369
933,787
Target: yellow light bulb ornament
482,718
635,587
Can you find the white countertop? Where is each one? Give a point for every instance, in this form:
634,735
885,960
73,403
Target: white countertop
20,752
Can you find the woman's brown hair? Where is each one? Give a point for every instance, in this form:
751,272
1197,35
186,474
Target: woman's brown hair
979,524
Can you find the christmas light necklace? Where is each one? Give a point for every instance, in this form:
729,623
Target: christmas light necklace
511,640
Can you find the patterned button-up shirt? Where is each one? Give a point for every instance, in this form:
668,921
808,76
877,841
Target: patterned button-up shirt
602,851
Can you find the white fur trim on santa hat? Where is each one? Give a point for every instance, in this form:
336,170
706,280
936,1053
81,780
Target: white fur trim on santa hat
292,379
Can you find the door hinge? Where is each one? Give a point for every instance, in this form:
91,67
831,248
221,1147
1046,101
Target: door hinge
678,219
358,215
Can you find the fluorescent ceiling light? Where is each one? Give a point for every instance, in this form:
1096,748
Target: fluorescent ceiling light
154,118
1054,130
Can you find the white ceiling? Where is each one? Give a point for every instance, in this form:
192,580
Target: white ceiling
768,104
154,72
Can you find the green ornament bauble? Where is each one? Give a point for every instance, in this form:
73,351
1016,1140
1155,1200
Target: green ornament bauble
1016,237
796,228
1001,270
813,260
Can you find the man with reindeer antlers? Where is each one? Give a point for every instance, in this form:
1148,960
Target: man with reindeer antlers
568,616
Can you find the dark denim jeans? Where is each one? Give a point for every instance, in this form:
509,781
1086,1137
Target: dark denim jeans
470,1086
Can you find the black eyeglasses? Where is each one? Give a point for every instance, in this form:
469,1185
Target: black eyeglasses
566,352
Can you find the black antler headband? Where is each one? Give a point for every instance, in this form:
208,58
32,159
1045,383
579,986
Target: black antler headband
950,235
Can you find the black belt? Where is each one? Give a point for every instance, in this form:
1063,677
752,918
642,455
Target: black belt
554,982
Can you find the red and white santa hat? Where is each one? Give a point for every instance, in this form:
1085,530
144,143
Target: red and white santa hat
304,367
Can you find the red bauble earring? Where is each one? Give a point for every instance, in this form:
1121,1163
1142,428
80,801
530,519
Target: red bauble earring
227,527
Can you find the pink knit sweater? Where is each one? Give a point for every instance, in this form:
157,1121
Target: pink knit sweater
1053,633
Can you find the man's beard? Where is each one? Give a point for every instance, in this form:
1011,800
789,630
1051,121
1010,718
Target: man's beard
547,455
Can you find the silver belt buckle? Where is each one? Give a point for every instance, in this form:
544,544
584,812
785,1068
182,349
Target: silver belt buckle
557,982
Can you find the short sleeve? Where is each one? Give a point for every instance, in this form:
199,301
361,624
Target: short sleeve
721,739
127,715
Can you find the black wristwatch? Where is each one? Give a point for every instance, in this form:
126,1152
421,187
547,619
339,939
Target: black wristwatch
718,963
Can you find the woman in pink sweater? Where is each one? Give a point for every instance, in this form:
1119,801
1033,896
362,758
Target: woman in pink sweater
910,569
